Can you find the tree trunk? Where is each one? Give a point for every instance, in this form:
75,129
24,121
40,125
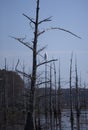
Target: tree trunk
30,122
71,102
77,100
59,99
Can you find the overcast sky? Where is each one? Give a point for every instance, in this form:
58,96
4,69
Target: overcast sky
71,15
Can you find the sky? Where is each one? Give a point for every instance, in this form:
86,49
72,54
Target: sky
71,15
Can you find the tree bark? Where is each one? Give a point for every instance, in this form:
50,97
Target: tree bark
30,122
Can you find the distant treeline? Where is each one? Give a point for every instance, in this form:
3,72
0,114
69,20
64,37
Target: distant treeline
65,97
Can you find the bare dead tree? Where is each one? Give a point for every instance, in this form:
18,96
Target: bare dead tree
55,105
46,114
71,102
31,114
38,110
13,96
77,98
59,98
30,122
50,101
5,87
85,105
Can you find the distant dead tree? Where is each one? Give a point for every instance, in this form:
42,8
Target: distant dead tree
59,99
77,98
71,101
55,105
50,100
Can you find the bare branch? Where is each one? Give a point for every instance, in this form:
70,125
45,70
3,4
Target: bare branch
42,83
46,62
40,33
23,73
31,19
58,28
41,49
31,26
21,40
45,20
66,31
17,64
